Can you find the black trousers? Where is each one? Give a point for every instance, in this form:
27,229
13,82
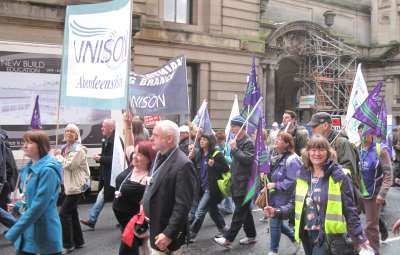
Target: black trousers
71,227
123,219
242,216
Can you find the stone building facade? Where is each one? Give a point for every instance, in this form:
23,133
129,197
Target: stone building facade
218,37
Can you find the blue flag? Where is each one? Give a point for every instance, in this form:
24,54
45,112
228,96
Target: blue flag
35,120
202,119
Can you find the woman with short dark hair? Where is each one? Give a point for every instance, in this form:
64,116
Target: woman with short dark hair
38,230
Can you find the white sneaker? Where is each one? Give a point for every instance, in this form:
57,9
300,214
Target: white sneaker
298,248
272,253
223,242
247,240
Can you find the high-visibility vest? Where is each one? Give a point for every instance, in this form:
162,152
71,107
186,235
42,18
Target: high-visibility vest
335,222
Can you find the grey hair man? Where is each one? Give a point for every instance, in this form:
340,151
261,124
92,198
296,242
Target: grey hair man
169,194
106,192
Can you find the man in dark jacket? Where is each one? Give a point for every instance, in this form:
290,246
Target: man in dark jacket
242,152
106,192
299,133
321,123
8,170
169,194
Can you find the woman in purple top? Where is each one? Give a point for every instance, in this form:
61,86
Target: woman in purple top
282,178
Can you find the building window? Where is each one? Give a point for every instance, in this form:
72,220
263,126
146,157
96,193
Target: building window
192,78
179,11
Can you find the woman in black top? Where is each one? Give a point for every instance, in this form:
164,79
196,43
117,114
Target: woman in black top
130,186
210,164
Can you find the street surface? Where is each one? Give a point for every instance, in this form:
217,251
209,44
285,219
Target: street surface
105,239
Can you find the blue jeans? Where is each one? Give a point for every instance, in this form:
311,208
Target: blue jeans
6,218
95,210
278,227
227,206
206,204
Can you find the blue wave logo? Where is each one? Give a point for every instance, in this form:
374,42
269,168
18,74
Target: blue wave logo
83,31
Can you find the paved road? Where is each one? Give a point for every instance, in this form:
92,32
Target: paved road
105,239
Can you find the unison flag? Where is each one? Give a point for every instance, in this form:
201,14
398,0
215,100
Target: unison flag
260,164
359,93
96,55
372,112
35,120
162,91
252,91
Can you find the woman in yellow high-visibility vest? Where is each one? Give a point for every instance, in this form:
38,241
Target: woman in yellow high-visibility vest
323,203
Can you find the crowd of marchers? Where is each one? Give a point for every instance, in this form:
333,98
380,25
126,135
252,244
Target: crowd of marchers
317,186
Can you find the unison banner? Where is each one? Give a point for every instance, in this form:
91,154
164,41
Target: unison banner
96,55
163,91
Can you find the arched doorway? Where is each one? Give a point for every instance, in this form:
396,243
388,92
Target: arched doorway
287,85
306,61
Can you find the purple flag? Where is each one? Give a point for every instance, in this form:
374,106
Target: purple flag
252,92
260,163
35,121
372,112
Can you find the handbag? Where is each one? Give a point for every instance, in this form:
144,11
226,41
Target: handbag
137,226
340,244
261,201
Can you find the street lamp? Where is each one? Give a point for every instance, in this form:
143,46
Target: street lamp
329,18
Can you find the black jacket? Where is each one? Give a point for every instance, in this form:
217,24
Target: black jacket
242,161
169,197
214,173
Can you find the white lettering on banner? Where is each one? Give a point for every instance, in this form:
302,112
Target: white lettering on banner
157,81
148,102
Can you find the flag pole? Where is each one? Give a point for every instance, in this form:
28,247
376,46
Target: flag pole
248,117
201,120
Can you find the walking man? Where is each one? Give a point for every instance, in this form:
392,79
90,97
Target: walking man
106,192
169,194
242,152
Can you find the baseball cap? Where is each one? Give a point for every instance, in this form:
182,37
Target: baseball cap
319,118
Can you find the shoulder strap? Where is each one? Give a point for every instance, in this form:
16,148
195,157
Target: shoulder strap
215,153
378,150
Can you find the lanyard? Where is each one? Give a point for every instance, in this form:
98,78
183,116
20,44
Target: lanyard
153,169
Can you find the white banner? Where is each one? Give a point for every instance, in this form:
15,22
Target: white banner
97,54
359,93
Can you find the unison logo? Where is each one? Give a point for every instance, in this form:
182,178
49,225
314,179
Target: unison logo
97,45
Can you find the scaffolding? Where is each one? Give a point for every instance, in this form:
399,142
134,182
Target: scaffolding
327,71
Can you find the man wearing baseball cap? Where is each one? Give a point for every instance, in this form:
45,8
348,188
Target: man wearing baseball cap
321,123
242,152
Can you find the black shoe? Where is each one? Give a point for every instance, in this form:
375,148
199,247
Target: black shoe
87,223
383,230
79,246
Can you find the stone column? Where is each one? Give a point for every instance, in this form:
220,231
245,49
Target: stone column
270,92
